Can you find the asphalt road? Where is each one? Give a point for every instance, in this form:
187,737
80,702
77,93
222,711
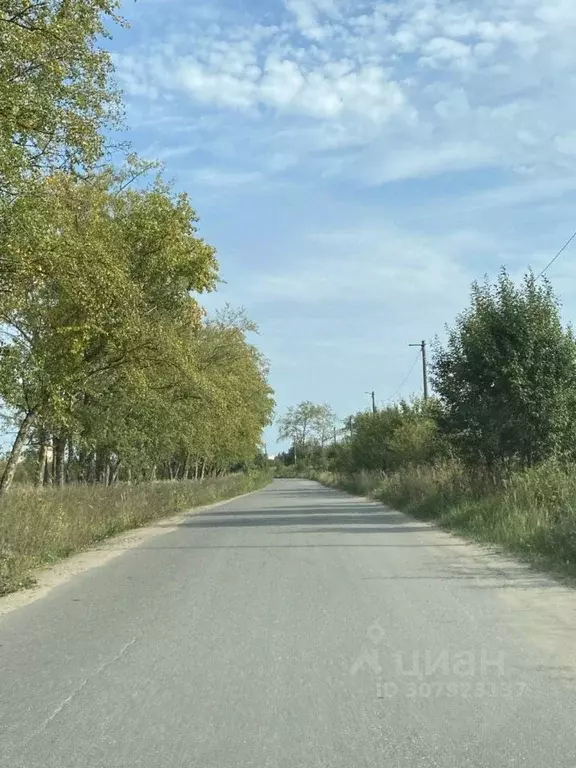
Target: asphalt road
294,628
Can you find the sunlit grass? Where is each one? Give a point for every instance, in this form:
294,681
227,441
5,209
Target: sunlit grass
41,526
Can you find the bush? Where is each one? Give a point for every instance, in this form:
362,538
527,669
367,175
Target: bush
507,377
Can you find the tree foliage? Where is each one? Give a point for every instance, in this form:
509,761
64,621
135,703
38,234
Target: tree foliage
103,341
305,425
108,364
505,399
56,93
506,377
404,433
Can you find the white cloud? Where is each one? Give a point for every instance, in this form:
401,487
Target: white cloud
220,88
425,162
441,51
524,193
326,92
217,177
308,15
371,264
422,87
358,162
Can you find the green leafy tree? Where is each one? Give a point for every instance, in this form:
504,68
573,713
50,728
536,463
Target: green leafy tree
370,447
325,425
106,284
506,377
305,425
402,434
417,439
56,93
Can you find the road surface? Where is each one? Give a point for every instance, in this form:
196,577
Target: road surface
297,627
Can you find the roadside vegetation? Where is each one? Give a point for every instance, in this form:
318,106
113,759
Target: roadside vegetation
112,374
37,529
492,455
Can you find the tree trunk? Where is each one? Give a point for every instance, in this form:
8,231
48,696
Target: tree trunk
59,460
101,465
42,455
69,462
115,473
90,473
16,452
48,469
203,469
196,467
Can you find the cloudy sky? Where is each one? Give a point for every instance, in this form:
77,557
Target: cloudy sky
357,164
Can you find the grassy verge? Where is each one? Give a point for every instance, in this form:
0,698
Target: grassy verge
532,514
40,527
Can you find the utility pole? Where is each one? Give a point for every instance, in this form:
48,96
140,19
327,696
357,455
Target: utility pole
349,426
373,396
422,346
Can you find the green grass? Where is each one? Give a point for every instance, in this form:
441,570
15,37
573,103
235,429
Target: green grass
532,514
38,527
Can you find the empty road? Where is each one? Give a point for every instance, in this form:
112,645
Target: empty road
297,627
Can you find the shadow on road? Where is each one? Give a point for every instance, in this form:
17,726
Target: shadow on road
288,511
340,517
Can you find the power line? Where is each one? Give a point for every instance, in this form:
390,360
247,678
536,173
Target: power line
406,377
560,252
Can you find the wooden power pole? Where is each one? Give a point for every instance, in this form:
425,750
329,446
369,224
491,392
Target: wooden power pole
373,396
422,346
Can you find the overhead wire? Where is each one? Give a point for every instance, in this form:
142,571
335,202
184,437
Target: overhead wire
560,252
405,378
542,273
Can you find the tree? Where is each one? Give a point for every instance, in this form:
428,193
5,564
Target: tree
402,434
324,424
56,94
416,440
304,424
506,377
370,447
104,283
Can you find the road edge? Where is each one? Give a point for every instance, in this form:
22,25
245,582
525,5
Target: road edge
50,577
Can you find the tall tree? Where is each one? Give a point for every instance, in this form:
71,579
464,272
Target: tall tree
106,284
324,424
305,424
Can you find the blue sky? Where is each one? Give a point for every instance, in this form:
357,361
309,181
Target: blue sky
358,164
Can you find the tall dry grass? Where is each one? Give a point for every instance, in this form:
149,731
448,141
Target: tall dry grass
38,527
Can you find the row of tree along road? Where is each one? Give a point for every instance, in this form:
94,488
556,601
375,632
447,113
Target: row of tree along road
109,367
111,373
493,452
